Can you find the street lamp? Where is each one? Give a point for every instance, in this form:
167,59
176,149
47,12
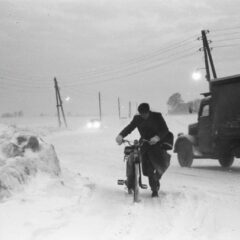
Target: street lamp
197,75
67,99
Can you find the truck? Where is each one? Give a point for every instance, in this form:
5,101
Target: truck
216,135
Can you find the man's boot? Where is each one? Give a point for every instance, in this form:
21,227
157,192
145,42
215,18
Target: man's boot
155,194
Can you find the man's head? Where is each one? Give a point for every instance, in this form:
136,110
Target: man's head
144,110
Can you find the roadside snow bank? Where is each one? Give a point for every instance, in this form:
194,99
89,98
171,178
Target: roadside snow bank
22,155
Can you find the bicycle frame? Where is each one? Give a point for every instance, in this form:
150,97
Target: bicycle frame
133,169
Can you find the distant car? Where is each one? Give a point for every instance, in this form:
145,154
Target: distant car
94,123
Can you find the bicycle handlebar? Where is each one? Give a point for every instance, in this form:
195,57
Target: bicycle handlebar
135,142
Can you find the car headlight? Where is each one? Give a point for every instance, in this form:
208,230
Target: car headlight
89,125
94,124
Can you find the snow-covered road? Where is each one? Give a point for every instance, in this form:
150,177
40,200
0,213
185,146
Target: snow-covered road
202,202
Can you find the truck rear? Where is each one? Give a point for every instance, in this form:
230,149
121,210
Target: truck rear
226,114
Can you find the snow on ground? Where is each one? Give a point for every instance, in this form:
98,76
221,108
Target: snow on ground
86,203
22,155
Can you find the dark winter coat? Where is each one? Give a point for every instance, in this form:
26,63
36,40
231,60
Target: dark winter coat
152,155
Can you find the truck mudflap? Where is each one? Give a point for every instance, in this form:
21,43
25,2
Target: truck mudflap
183,137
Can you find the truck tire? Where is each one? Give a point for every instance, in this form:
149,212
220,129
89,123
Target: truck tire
226,161
185,154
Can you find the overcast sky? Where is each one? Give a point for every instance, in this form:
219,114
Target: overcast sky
132,49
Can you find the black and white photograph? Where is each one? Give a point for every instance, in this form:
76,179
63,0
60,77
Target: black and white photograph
119,120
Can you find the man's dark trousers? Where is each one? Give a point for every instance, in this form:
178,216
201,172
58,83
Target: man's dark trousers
155,162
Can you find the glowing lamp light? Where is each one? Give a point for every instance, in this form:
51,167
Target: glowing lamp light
196,76
67,99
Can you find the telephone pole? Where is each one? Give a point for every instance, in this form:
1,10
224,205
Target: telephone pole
130,109
208,55
57,101
59,104
208,77
100,105
119,108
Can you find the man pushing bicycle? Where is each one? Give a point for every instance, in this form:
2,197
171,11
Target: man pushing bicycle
153,128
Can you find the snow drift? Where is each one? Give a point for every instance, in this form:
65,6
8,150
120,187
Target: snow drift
22,155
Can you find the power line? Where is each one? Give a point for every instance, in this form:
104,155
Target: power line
163,50
225,29
20,80
17,82
20,84
226,39
108,68
131,68
227,33
226,45
136,62
126,65
146,62
18,87
156,53
25,75
131,74
77,92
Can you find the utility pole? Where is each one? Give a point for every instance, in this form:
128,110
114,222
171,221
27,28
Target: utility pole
210,58
59,104
56,92
119,108
207,52
100,106
208,77
130,109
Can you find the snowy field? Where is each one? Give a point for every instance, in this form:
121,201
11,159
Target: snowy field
85,202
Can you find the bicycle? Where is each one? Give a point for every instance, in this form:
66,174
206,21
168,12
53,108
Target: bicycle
132,156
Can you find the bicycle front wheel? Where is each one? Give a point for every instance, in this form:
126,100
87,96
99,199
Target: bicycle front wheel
130,173
136,183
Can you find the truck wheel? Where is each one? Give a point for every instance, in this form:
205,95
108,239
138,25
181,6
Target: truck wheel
226,160
185,154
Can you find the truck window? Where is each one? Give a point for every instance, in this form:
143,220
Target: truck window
205,111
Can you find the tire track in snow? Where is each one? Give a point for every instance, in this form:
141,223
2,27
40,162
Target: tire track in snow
148,219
